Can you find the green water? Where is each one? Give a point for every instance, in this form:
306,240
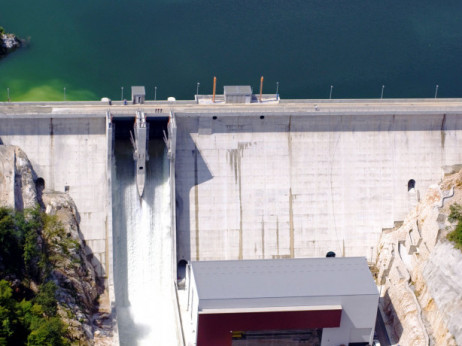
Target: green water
93,48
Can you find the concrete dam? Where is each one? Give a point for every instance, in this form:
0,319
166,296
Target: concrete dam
292,179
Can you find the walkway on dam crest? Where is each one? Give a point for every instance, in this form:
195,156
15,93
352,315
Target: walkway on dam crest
294,107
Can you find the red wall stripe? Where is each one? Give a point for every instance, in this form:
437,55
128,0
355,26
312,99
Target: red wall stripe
215,329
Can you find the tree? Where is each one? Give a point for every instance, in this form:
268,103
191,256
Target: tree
8,319
10,249
50,332
46,298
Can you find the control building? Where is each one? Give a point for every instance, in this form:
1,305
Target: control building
328,301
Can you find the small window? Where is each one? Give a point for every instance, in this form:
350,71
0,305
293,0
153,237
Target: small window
262,117
66,188
140,168
214,117
40,184
411,184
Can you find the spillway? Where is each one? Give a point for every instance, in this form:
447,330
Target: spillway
143,276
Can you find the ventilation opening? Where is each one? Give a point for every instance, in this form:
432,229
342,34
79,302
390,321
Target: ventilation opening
181,273
411,184
262,117
214,117
40,184
140,168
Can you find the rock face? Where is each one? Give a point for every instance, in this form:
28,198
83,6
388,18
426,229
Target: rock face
419,270
17,179
72,269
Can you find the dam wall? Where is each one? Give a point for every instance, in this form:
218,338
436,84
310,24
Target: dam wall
70,154
294,179
294,184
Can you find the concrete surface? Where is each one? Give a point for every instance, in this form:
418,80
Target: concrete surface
301,185
309,177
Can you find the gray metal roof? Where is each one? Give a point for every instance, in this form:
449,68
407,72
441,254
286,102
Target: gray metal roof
283,278
237,90
138,90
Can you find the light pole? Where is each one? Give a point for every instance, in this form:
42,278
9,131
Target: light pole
381,95
197,92
330,93
155,93
277,90
436,91
64,93
121,93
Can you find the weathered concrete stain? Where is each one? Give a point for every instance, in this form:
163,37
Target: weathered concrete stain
291,222
291,213
331,177
234,157
262,237
51,157
240,212
196,204
277,236
443,133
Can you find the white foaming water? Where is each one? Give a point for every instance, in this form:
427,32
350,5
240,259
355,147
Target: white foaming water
142,253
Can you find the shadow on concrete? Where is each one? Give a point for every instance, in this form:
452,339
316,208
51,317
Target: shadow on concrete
380,330
391,315
187,181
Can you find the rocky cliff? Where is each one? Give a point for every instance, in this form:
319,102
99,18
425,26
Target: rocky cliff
17,179
71,267
418,268
8,43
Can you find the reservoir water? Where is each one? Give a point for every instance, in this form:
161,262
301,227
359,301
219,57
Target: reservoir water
143,279
94,48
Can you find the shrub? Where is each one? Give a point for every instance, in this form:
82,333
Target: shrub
456,212
46,298
456,235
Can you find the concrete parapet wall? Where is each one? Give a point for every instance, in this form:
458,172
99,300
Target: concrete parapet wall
70,155
300,186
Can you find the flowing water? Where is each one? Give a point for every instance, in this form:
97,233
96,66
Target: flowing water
94,48
142,250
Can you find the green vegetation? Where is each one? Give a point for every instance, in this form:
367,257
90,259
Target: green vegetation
2,31
27,317
60,245
456,235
